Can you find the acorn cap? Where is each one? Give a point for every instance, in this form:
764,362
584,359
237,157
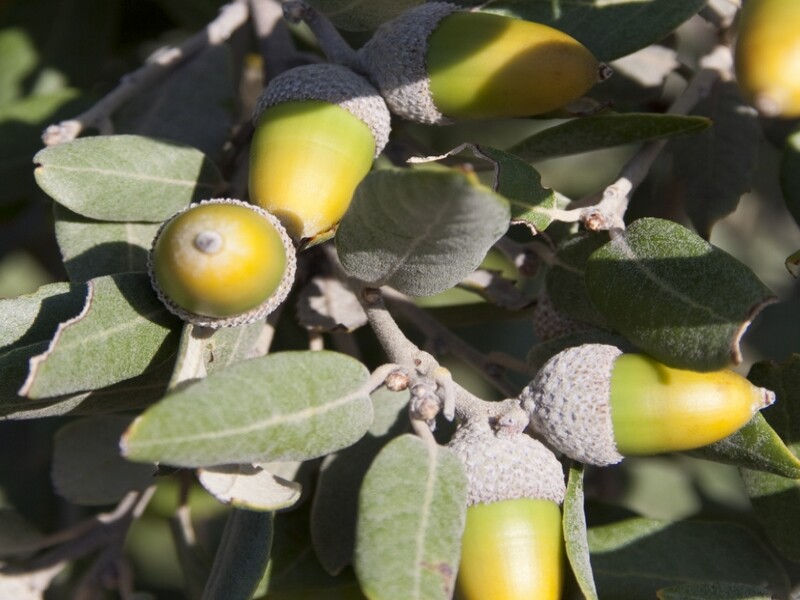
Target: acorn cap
506,466
335,84
395,59
260,311
569,403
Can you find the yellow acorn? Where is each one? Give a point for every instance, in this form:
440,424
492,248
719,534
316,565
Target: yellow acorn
767,56
436,63
318,129
221,263
597,405
513,546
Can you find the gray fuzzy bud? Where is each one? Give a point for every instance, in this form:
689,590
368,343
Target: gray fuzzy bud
502,466
335,84
569,403
395,59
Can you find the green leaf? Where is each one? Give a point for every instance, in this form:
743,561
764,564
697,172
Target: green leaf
420,232
18,58
125,177
92,248
775,499
674,295
714,591
87,467
790,174
123,331
521,184
241,557
285,406
609,29
411,516
35,317
18,536
634,558
131,394
605,131
335,508
716,167
575,533
755,446
362,15
566,283
193,106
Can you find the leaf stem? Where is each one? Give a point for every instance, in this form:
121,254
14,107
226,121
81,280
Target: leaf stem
330,40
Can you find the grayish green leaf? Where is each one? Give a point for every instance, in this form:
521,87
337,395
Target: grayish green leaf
35,317
605,131
131,394
93,248
362,15
123,331
775,499
420,232
87,466
193,106
716,166
790,174
285,406
674,295
566,283
125,177
249,487
575,533
241,557
521,184
714,591
17,536
335,507
411,516
755,446
624,554
608,29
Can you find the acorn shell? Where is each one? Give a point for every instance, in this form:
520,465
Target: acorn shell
260,311
569,406
335,84
506,467
395,59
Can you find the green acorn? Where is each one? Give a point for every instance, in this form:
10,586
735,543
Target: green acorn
513,546
436,63
221,263
597,405
318,129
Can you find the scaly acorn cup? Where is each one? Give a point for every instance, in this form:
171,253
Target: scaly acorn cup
436,63
221,263
767,56
513,546
597,405
318,129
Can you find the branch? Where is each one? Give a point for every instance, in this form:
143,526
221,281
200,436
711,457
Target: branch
330,40
231,17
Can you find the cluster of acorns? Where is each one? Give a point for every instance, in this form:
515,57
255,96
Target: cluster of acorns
319,127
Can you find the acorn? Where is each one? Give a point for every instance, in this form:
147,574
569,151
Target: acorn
436,63
221,263
318,129
597,405
513,545
767,56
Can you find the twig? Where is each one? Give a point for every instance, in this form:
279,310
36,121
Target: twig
231,17
330,40
609,212
274,40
